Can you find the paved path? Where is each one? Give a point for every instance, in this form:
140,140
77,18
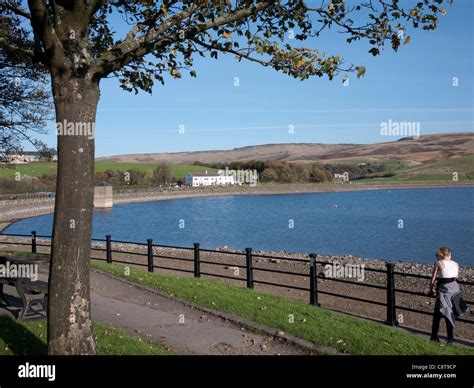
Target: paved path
181,328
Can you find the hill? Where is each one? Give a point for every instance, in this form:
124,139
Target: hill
429,148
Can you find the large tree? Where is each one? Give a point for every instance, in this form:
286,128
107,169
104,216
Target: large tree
77,42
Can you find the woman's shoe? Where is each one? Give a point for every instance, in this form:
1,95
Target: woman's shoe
435,339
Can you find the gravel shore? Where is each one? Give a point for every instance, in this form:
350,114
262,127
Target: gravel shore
231,264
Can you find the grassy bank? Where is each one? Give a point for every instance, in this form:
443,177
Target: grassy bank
39,169
29,338
317,325
444,170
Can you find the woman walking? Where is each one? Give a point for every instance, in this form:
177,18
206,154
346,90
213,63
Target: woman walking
446,289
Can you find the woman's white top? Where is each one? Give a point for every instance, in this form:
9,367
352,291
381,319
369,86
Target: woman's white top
449,268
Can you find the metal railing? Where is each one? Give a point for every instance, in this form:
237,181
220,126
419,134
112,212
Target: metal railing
313,290
42,196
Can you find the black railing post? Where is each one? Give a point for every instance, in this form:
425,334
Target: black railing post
248,255
108,248
197,261
150,255
33,241
313,281
391,309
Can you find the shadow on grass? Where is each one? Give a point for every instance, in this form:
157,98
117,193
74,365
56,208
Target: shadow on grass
19,339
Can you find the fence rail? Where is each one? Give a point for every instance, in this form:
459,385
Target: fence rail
248,256
27,197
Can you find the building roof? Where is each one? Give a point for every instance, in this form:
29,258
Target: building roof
25,153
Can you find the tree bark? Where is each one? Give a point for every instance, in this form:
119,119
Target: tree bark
69,317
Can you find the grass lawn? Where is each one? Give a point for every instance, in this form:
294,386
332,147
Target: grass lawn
320,326
38,169
29,338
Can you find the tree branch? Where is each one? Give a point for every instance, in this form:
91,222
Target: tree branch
231,51
16,9
24,51
133,48
43,32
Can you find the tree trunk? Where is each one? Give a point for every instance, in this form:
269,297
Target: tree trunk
69,318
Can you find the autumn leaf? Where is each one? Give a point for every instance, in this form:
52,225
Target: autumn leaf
176,74
360,71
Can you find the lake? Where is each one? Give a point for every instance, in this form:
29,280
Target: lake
405,224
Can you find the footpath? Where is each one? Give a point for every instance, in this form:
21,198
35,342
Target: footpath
179,326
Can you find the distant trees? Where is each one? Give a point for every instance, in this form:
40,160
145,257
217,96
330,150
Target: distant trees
163,175
122,178
280,171
359,171
47,154
284,172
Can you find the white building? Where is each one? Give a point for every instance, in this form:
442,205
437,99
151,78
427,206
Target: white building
344,177
205,179
26,157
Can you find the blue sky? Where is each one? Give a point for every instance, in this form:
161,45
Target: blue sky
413,85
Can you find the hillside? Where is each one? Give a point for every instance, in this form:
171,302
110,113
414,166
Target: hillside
429,148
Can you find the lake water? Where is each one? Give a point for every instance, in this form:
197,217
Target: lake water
403,224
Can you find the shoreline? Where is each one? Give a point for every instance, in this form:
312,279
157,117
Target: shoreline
293,277
33,208
10,214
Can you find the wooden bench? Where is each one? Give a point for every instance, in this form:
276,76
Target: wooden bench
6,282
32,293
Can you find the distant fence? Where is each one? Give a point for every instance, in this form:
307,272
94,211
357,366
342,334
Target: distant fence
27,197
195,260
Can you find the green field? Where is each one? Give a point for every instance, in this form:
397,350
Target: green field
317,325
39,169
441,170
437,171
